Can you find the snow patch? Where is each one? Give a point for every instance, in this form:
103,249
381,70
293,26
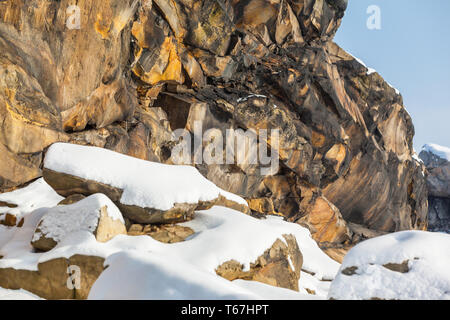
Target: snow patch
145,184
21,294
428,261
36,195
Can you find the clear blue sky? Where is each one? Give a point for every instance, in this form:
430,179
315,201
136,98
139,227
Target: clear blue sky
411,52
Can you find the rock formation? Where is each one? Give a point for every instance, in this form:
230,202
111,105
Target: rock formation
438,181
132,72
95,214
279,266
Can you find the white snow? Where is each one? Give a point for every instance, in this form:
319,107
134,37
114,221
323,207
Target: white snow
221,234
267,292
36,195
440,151
155,276
60,221
21,294
429,268
131,275
145,184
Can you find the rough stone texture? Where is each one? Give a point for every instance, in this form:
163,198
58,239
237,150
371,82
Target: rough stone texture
54,78
344,134
279,266
438,182
51,279
163,233
106,229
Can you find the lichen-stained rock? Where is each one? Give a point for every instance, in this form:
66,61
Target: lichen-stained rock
203,24
95,214
238,66
279,266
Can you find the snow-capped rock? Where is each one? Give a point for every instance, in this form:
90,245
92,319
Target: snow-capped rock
403,265
96,214
145,192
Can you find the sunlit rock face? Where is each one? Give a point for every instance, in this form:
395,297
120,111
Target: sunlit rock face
135,71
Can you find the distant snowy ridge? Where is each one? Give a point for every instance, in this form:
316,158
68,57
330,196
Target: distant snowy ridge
440,151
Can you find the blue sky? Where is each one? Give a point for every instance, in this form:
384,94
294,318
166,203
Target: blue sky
412,52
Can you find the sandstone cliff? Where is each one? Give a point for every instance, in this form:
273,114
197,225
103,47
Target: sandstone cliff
135,71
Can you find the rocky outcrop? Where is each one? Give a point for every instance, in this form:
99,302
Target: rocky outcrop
138,70
438,182
95,214
279,266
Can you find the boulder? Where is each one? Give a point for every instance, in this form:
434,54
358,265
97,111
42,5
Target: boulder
145,192
96,214
52,279
408,265
278,266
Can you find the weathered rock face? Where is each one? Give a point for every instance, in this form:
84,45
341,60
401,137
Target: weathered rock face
279,266
56,74
344,136
95,214
438,182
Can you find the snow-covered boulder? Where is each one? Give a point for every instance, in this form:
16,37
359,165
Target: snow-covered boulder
403,265
279,266
145,192
96,214
16,205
